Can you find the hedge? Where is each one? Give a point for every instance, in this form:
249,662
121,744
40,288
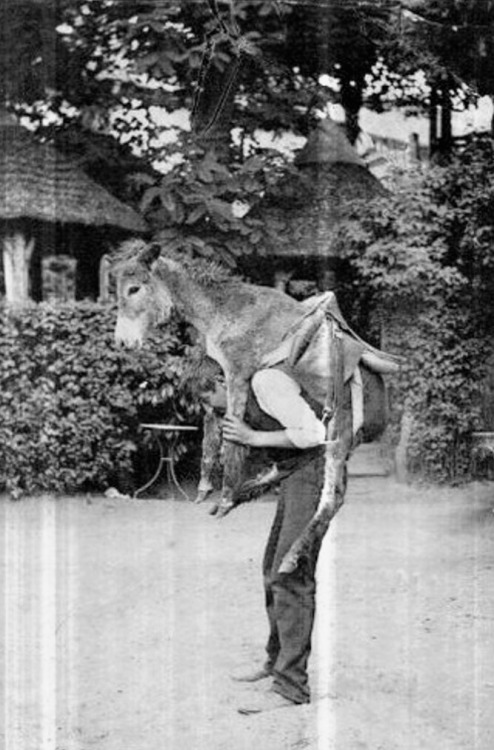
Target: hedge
71,401
420,267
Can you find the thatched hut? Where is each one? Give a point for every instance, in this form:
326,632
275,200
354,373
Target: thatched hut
302,214
38,184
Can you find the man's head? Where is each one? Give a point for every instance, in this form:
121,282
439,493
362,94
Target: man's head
214,397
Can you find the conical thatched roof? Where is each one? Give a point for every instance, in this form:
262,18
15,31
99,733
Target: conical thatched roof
303,213
328,144
39,182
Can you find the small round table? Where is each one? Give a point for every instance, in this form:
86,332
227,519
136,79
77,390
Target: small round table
157,431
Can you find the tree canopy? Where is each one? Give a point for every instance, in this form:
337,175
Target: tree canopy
444,29
146,72
250,64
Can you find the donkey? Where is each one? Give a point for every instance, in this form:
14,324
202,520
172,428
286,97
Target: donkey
243,327
238,323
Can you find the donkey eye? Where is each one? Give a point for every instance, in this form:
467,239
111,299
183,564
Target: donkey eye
133,290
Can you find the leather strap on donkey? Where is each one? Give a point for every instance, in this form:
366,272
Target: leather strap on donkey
323,354
306,349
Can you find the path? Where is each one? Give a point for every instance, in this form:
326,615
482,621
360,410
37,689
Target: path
123,620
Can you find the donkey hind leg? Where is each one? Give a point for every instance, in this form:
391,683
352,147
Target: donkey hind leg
210,454
233,455
331,500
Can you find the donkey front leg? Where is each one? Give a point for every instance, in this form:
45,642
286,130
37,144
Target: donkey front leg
233,454
210,453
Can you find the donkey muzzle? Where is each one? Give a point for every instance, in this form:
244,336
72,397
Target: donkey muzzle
129,333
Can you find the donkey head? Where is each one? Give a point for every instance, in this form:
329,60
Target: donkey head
142,302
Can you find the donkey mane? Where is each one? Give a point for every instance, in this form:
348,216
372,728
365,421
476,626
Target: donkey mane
207,273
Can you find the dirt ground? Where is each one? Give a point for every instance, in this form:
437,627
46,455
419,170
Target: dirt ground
124,619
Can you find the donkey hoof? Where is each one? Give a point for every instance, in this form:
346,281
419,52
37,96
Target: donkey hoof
201,496
223,509
213,509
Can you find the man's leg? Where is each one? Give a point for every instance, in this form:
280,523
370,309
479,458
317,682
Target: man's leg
293,595
273,644
290,599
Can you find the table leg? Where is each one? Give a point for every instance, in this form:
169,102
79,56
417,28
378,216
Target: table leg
170,467
173,476
162,461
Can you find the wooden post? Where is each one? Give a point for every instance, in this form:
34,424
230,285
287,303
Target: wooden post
401,466
446,141
17,252
414,149
104,279
327,274
433,122
281,279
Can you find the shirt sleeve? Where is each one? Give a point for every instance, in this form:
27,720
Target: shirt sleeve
279,396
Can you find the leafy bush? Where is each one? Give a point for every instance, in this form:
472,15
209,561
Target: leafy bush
423,264
199,206
71,402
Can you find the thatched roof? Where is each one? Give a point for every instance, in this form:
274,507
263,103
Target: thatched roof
39,182
112,164
328,144
302,214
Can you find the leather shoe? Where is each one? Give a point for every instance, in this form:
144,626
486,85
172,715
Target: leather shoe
270,701
253,676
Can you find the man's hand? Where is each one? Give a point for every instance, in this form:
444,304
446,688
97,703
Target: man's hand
237,431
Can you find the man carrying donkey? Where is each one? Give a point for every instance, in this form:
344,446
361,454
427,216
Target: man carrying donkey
295,390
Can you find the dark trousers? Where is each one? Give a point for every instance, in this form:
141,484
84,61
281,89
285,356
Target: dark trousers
290,598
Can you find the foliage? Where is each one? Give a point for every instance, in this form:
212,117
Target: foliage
71,402
427,253
423,261
203,206
29,55
90,60
129,68
433,35
191,54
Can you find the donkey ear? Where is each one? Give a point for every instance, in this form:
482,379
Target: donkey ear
149,255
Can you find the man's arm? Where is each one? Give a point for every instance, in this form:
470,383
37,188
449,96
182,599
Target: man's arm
239,432
279,396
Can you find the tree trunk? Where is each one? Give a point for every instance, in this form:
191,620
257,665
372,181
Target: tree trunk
433,122
17,252
351,101
446,123
213,109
